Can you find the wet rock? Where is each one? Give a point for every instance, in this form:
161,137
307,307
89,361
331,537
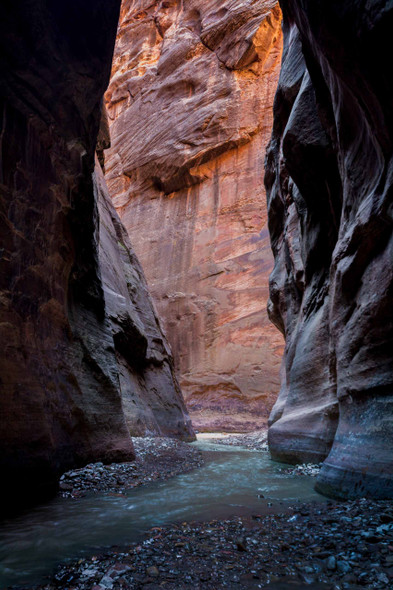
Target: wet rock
156,458
331,563
280,554
386,517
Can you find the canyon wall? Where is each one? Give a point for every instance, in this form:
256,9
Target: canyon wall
151,398
329,176
190,112
76,324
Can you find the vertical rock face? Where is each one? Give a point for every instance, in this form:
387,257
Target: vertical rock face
151,397
64,327
189,106
329,184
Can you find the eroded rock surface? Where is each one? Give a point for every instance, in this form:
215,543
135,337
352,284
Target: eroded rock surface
151,398
190,111
329,182
60,330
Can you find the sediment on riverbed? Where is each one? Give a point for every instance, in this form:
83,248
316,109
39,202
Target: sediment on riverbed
340,546
316,545
157,458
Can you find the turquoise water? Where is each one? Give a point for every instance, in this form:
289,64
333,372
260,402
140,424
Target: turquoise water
32,544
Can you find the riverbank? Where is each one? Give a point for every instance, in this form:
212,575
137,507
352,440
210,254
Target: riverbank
276,543
334,546
157,458
255,441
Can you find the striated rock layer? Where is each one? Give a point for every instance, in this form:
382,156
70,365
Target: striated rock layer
190,111
72,318
329,183
151,398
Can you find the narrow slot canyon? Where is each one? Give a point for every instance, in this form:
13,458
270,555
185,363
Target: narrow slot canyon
196,266
190,112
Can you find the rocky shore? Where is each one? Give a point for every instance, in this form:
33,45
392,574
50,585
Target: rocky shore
340,546
156,458
257,441
333,545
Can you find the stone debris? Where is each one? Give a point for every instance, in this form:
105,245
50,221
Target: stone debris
309,469
156,458
337,546
256,440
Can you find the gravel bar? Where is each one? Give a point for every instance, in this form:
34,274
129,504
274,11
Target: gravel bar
337,546
156,459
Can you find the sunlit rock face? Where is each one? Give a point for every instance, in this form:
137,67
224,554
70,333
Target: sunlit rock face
151,398
190,112
69,331
329,184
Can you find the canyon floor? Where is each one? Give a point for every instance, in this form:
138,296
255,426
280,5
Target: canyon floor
317,545
337,546
157,458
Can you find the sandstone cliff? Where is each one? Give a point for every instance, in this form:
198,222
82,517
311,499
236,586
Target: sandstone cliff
67,325
190,111
151,398
329,183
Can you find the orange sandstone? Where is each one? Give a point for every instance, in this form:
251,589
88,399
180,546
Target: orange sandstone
190,111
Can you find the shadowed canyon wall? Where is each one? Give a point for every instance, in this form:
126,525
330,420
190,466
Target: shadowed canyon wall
190,111
329,182
77,329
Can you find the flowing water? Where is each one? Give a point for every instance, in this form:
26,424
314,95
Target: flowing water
32,544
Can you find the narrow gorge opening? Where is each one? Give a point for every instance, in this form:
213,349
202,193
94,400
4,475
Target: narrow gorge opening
190,111
97,447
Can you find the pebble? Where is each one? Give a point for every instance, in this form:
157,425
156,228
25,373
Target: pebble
334,546
249,552
152,571
256,440
331,563
343,567
156,458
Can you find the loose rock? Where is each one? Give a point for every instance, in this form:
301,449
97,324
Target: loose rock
281,553
156,458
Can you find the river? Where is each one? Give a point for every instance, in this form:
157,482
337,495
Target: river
230,483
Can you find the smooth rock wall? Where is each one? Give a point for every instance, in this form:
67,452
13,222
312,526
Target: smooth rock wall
329,184
60,401
190,112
